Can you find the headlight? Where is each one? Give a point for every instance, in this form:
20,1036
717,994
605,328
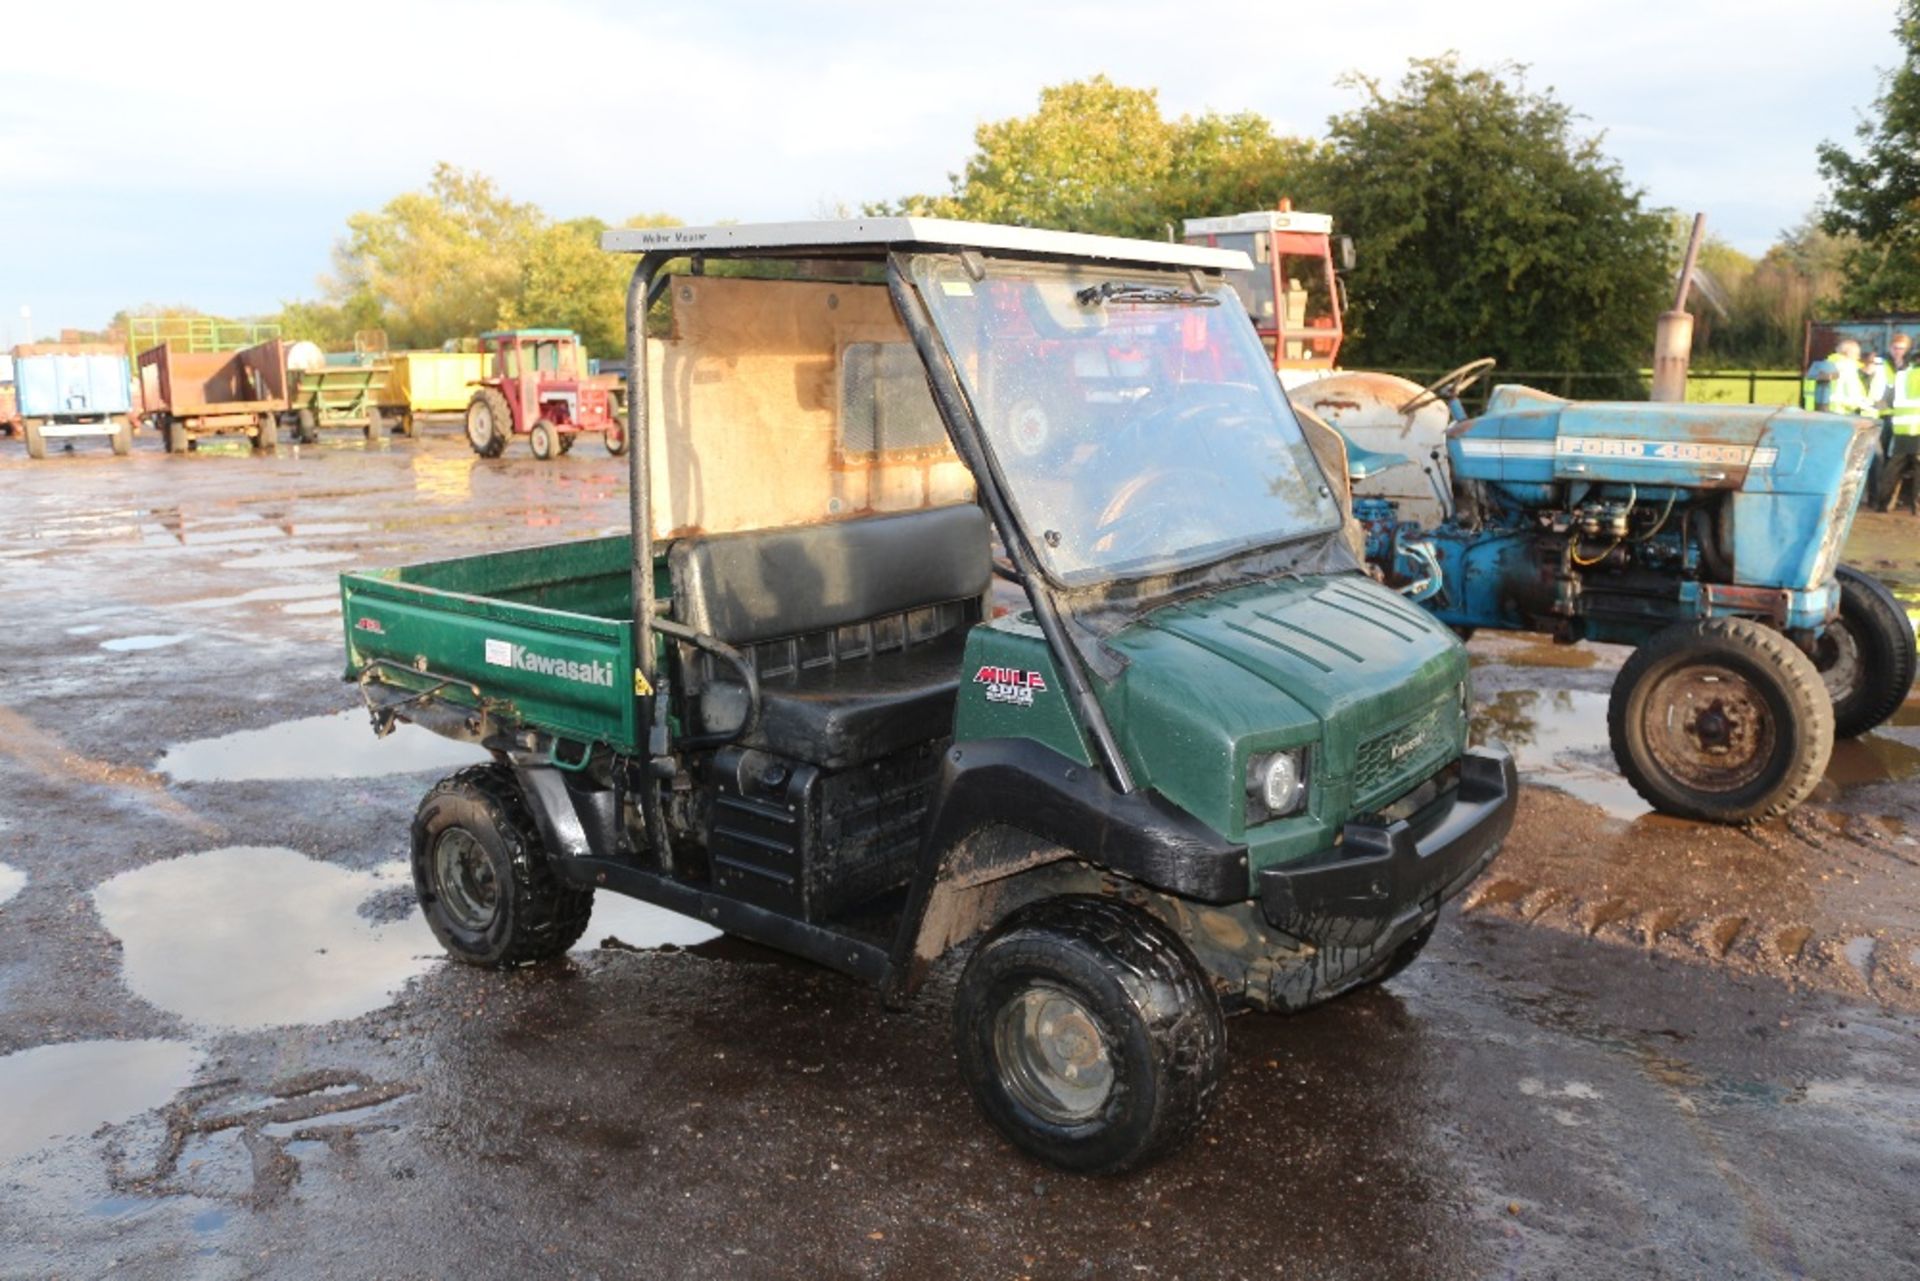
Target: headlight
1276,784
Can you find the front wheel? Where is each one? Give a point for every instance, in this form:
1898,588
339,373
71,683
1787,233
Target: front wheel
544,439
1866,655
615,438
483,877
1722,720
1088,1034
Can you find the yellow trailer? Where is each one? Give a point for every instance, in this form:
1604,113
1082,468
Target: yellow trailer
432,382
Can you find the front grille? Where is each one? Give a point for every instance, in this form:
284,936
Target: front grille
1397,759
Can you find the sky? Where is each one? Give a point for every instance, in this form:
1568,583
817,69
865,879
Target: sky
210,153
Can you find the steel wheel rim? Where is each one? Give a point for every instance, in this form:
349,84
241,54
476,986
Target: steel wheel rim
1838,657
469,890
1710,728
480,424
1052,1056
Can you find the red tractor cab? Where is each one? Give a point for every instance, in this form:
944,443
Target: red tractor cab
540,389
1294,292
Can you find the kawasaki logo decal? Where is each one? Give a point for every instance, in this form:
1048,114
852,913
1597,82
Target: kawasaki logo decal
507,654
1010,685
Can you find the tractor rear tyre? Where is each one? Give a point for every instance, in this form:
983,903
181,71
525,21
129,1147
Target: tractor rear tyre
541,438
489,422
122,438
1722,720
615,438
266,436
36,441
483,877
1866,656
1088,1034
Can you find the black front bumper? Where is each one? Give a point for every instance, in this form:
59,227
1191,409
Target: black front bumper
1384,879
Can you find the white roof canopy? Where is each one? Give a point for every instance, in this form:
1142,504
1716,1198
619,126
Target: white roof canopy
1262,220
929,233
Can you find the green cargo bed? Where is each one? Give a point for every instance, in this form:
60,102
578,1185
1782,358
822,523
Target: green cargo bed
540,638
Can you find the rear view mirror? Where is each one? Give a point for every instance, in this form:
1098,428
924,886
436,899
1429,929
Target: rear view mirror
1343,252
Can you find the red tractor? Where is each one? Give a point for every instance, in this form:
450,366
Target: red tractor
540,389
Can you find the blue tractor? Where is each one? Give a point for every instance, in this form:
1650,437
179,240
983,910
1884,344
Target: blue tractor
1707,537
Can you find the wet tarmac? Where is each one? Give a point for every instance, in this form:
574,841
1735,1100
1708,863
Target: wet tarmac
229,1046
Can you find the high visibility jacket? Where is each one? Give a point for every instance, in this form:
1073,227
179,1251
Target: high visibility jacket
1846,391
1906,401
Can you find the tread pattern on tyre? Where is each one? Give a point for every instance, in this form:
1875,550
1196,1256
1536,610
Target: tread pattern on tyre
1762,648
549,916
1885,635
501,415
1165,984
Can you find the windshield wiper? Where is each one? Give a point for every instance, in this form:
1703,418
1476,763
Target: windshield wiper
1153,295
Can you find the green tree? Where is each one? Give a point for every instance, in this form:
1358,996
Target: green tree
569,282
1101,157
438,263
1876,192
1486,226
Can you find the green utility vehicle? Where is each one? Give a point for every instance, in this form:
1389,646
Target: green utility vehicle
1187,759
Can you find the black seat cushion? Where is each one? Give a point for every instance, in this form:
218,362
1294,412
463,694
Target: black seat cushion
852,711
746,588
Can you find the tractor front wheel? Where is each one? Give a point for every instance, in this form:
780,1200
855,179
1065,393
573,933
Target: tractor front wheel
1866,655
615,437
1722,720
543,439
489,421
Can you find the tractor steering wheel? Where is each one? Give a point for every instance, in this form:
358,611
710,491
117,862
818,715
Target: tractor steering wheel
1451,385
1151,511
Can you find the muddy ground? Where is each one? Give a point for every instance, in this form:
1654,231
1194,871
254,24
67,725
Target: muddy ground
228,1048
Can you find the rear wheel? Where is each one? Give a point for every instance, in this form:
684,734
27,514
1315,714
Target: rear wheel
540,438
122,438
1722,720
36,439
1088,1034
1866,656
307,430
176,434
266,436
489,421
483,877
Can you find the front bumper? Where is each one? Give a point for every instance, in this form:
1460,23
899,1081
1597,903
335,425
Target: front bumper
1384,879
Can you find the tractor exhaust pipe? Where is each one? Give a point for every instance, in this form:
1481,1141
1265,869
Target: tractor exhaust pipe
1673,332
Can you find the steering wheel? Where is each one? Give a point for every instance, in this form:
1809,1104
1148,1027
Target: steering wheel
1451,385
1224,400
1151,515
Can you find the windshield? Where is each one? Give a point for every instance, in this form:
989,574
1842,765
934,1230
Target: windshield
1136,422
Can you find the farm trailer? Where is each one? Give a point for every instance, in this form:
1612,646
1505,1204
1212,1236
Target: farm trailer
66,390
423,383
187,395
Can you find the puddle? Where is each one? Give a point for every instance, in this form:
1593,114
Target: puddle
133,644
326,605
287,560
1872,759
12,881
1559,739
69,1091
340,745
258,937
641,926
86,629
261,595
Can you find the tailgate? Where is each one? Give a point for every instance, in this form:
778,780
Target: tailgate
571,675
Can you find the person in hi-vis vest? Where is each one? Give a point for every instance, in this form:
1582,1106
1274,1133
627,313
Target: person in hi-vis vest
1838,386
1880,397
1903,457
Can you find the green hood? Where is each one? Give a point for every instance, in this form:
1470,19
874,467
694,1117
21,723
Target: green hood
1340,663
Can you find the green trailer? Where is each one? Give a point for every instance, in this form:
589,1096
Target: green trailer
340,396
1206,764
